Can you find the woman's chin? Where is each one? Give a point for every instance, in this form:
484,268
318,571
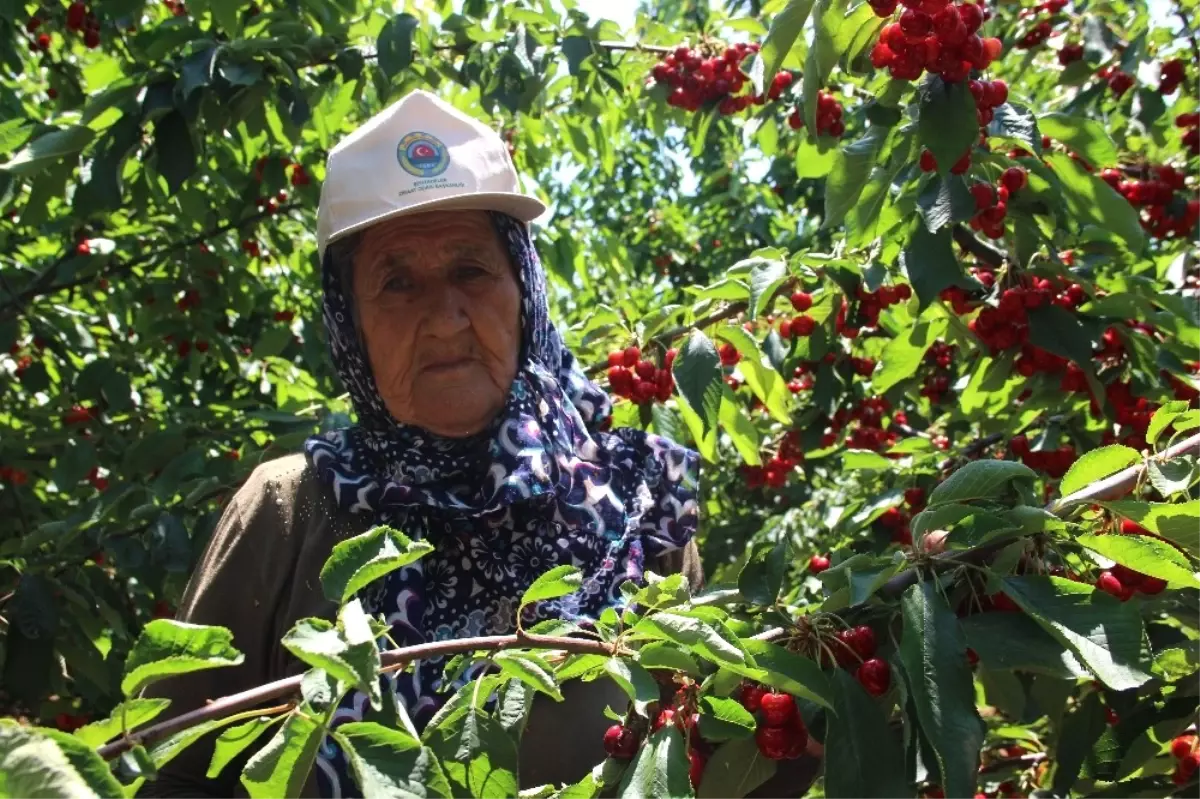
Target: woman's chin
459,411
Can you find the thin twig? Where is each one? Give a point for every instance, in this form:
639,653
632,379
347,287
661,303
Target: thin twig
225,706
1021,762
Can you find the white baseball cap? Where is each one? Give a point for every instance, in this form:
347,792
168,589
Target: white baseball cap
419,154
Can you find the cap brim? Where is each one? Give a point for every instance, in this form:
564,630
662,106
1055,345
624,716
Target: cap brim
518,206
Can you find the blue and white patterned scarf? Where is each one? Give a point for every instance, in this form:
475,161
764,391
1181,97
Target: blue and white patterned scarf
541,487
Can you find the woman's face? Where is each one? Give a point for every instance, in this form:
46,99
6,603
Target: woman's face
439,307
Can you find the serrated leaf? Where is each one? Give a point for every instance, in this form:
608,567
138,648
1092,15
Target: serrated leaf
1084,136
531,669
1014,641
1174,521
695,634
697,372
930,264
235,740
864,756
851,171
1092,201
785,27
762,576
766,383
723,719
322,645
390,764
633,678
661,768
1145,554
48,149
735,769
945,201
660,655
559,581
1096,465
167,648
395,44
934,655
281,767
131,713
39,762
980,480
1105,634
766,275
359,561
946,122
1163,417
904,353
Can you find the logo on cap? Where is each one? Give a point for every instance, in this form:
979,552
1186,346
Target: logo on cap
422,155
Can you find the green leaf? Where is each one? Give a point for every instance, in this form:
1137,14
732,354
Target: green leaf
169,748
851,170
1016,122
930,264
389,763
697,371
167,648
48,149
39,762
695,634
131,713
1061,332
785,27
1096,465
1163,417
233,741
724,719
1175,522
1087,137
281,767
634,680
321,645
1145,554
904,353
766,275
945,201
1016,642
1104,633
559,581
784,670
176,154
531,669
946,122
395,44
988,479
361,560
766,383
661,768
735,423
1080,730
823,53
934,656
663,592
864,756
1092,201
735,769
762,576
479,758
854,459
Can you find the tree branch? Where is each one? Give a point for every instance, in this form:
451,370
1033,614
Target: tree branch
1113,486
228,705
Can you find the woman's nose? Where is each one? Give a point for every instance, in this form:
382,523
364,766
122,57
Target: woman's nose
447,311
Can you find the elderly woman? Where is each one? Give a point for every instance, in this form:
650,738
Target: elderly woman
477,432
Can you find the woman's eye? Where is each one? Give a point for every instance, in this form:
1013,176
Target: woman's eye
471,272
397,284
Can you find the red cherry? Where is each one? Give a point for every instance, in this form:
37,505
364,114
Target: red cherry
620,742
984,194
1130,527
778,709
616,358
645,370
914,496
928,163
1109,584
91,39
696,762
83,248
803,326
1152,586
665,717
997,93
962,164
1183,746
32,24
43,41
1014,178
751,696
801,301
863,641
818,564
632,354
875,676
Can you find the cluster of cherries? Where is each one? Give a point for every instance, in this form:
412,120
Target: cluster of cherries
1155,196
621,741
1118,82
1171,76
696,78
941,356
1131,412
781,734
895,522
1034,360
829,116
802,325
297,174
869,432
1035,35
1054,462
1183,749
99,483
870,305
1190,125
1007,324
1183,391
270,205
183,347
991,202
774,473
637,379
1069,54
935,36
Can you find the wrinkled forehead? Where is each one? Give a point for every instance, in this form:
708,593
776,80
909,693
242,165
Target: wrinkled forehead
425,241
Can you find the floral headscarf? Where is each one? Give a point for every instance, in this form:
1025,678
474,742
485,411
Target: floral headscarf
541,487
